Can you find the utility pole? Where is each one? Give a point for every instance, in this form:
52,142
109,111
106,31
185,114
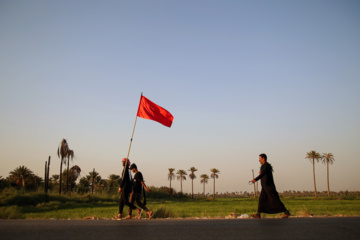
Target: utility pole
92,186
48,175
254,184
45,176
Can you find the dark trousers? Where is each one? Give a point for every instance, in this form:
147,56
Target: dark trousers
136,198
124,200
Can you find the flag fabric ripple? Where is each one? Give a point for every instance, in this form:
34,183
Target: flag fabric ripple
149,110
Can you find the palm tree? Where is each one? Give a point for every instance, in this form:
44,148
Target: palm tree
94,179
113,182
326,159
204,180
214,174
84,185
2,183
171,176
70,154
192,177
62,153
36,181
20,175
313,156
74,175
54,180
181,176
102,185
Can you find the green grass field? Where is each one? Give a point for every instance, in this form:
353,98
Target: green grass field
41,206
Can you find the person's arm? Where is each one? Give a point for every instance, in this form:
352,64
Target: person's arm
142,183
262,173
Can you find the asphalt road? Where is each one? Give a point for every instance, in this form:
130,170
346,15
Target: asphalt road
175,229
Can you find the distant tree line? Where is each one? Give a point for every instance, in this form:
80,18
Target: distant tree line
182,177
22,178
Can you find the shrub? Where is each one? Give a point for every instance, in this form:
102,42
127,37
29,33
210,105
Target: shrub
163,212
12,212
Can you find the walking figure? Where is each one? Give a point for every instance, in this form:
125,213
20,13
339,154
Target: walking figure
138,185
125,190
269,201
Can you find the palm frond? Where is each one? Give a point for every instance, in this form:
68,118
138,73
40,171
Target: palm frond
192,176
70,154
63,149
327,158
204,178
213,175
313,156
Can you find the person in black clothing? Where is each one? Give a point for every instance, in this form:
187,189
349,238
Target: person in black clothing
125,189
269,201
138,184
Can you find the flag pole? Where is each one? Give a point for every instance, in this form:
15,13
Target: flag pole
132,135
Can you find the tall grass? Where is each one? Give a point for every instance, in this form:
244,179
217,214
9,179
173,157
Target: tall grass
11,212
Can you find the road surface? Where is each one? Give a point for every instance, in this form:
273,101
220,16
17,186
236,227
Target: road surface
176,229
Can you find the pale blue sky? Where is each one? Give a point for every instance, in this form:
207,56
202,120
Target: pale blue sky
240,78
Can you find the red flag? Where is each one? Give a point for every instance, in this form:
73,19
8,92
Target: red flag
149,110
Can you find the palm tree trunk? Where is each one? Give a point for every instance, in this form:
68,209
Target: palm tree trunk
192,188
45,177
314,178
92,185
170,188
328,184
214,190
181,183
70,184
60,176
67,177
204,190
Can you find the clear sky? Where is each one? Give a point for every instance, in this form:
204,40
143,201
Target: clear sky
240,78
